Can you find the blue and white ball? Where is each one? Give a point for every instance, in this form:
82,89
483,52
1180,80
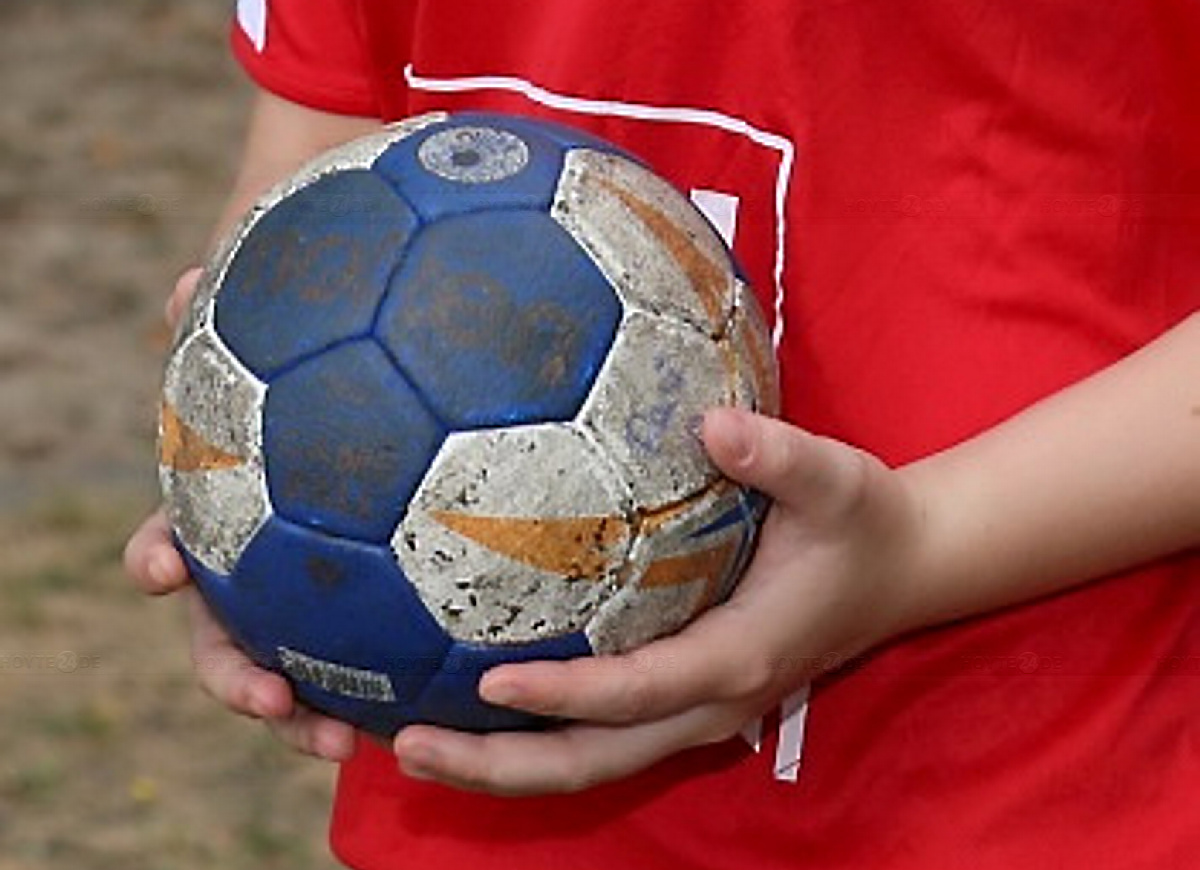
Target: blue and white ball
434,408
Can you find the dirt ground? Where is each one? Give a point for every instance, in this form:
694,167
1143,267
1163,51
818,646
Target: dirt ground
118,126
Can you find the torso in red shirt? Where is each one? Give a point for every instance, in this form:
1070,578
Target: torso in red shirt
955,207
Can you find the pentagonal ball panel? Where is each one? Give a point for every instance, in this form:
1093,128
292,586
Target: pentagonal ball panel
475,160
347,442
210,450
516,534
647,405
656,248
499,317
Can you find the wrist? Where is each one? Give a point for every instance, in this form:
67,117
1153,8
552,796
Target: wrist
913,559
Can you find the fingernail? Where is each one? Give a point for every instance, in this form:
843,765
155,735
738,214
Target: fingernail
261,703
332,747
419,762
737,436
500,693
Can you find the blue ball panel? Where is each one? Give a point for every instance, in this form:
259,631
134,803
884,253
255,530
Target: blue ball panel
313,270
499,317
737,514
452,696
753,510
340,604
451,168
224,600
346,441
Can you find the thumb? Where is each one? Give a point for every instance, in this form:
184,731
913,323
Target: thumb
786,463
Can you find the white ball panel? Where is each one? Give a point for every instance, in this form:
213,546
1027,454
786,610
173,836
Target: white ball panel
210,451
750,342
646,405
673,572
516,534
215,394
656,249
635,616
216,512
360,153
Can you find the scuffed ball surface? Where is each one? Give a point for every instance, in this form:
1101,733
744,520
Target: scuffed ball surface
434,408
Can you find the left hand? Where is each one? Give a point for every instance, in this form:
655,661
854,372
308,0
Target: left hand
828,581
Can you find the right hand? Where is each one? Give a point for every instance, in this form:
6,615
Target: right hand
223,670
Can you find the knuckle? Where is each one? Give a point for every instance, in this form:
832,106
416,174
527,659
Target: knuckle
483,778
745,677
297,734
227,690
851,495
575,779
720,729
634,701
861,469
575,770
207,682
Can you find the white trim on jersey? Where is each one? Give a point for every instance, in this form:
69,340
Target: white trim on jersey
252,18
793,719
783,147
721,208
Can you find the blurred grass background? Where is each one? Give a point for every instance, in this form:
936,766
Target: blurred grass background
119,125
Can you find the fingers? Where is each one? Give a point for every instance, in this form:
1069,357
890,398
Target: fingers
564,761
234,681
228,675
817,475
151,559
181,295
309,732
224,671
701,664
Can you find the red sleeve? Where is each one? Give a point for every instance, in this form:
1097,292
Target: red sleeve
318,53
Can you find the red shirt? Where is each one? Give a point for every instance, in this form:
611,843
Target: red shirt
956,207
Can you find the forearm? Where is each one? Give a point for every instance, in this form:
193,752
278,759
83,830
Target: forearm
1100,477
280,138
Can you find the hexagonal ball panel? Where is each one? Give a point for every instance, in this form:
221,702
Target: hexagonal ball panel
499,317
516,534
648,401
655,247
210,451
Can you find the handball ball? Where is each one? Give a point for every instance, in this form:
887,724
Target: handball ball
434,407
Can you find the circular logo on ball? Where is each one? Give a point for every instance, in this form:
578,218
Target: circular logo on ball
474,155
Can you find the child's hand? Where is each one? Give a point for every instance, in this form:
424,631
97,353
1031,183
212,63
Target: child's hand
828,582
223,670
